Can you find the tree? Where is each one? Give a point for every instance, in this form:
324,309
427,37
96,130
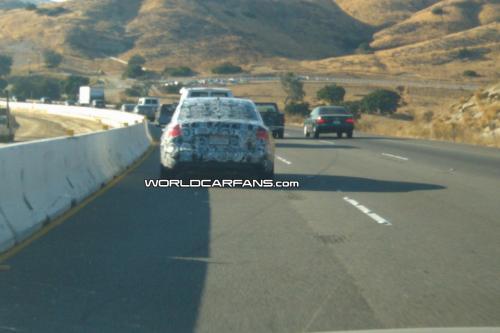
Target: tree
179,71
437,11
52,59
72,84
36,87
136,91
353,107
137,60
381,101
470,73
297,108
31,6
3,84
133,71
332,94
227,68
5,64
293,87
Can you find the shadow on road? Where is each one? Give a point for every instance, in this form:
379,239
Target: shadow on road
135,260
354,184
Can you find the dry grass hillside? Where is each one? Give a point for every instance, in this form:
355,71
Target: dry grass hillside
414,37
189,30
437,21
383,12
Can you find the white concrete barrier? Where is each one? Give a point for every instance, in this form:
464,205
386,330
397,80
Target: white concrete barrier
40,180
108,117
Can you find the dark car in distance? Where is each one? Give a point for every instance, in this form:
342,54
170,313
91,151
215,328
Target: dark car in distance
329,119
273,118
217,134
164,114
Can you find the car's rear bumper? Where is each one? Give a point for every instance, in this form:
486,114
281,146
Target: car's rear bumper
330,128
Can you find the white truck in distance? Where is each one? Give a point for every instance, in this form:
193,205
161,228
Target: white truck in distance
89,94
147,106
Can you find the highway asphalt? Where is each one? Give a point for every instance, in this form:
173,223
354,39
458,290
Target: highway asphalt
382,233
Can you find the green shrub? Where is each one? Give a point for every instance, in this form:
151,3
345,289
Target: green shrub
465,53
470,73
437,11
293,87
227,68
30,6
353,107
133,71
381,101
3,84
5,64
71,85
134,91
364,48
180,71
331,94
55,11
36,87
137,60
52,59
297,109
428,116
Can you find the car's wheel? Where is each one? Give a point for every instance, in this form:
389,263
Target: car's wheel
339,135
349,134
306,132
266,173
281,134
315,133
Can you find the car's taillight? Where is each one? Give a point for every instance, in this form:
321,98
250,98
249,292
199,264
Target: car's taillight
349,120
175,131
262,134
320,120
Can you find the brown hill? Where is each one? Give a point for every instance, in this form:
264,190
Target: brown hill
444,18
189,29
383,12
407,36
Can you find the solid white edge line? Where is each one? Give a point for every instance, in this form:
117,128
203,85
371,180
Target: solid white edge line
283,160
377,218
396,157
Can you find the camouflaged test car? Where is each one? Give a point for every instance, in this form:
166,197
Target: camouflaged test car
217,134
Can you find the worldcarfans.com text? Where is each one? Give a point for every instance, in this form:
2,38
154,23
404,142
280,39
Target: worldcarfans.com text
216,183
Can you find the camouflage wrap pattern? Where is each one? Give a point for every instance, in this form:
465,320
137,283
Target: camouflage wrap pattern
216,131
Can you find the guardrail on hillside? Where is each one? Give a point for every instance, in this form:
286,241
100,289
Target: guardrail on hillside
40,180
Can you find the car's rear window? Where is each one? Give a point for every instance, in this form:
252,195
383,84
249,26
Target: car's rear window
267,108
199,94
333,110
151,101
218,110
219,94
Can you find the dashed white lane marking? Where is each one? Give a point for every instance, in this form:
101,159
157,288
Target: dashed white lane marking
396,157
377,218
284,160
329,142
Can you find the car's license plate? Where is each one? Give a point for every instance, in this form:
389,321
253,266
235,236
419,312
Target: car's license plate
218,140
336,122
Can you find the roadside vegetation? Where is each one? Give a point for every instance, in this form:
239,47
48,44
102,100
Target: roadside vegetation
179,71
227,68
52,59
